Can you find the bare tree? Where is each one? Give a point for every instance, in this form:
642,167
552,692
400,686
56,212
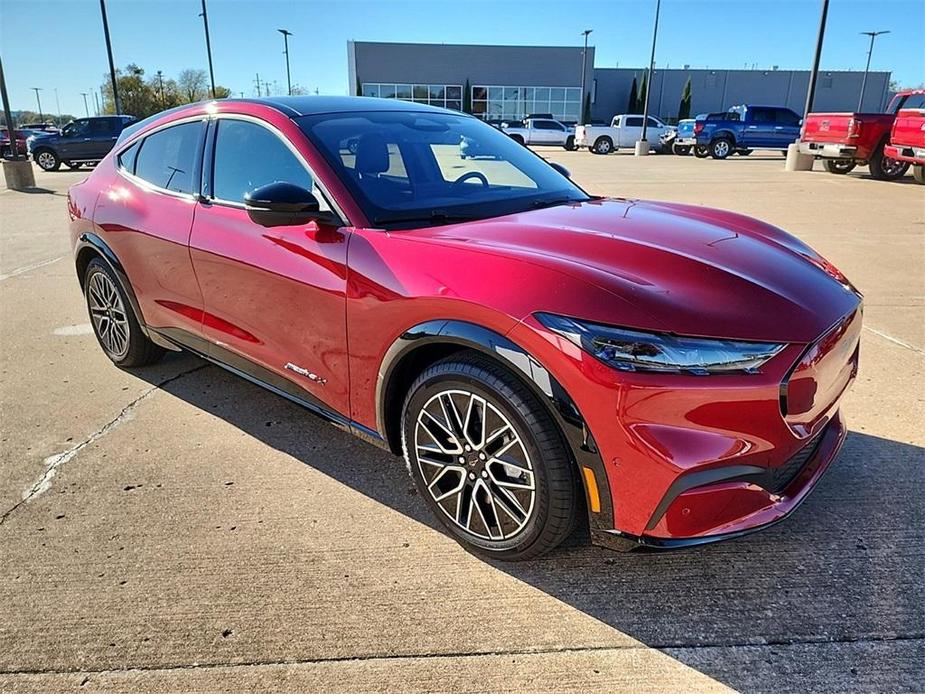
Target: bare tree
193,84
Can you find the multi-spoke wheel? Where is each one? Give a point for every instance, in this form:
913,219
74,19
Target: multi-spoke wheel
114,322
488,458
46,159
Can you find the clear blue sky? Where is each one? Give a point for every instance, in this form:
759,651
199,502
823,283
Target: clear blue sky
59,44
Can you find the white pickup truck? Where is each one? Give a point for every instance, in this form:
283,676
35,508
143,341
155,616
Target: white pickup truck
541,131
624,131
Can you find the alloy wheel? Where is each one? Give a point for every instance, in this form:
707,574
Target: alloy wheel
893,168
475,465
47,160
108,314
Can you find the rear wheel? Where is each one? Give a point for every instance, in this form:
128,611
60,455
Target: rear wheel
114,322
47,160
518,139
884,168
701,151
570,143
488,459
603,145
721,148
918,173
681,150
839,166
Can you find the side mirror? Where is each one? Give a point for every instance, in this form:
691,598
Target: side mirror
561,169
281,204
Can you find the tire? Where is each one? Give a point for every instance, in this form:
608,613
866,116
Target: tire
517,138
114,322
721,148
839,166
602,145
744,152
46,159
452,478
701,151
918,173
885,169
570,144
73,165
681,150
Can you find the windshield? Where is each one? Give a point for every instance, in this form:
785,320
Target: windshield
407,168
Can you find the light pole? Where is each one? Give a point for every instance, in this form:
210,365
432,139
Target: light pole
112,66
873,35
39,101
205,23
811,89
584,68
286,34
160,87
642,147
57,106
86,108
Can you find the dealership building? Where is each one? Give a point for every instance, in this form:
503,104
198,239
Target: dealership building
509,82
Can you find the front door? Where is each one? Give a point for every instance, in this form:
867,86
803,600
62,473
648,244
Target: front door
274,297
74,140
631,131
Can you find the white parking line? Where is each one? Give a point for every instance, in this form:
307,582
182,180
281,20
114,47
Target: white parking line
895,340
29,268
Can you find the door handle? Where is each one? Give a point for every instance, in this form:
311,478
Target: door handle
86,139
779,127
753,127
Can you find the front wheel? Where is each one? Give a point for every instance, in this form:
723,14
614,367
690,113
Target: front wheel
839,166
721,148
114,322
570,144
701,151
488,459
47,160
603,145
681,150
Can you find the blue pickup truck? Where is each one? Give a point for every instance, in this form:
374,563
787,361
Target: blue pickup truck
745,128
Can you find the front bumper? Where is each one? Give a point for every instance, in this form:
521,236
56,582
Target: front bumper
828,150
691,460
913,155
685,141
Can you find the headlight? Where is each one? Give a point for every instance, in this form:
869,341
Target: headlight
634,350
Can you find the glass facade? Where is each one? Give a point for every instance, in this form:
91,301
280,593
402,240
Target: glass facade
492,102
443,95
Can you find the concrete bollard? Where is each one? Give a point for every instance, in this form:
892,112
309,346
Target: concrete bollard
642,148
797,161
18,174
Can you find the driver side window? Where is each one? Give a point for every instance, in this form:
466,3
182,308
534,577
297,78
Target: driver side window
77,128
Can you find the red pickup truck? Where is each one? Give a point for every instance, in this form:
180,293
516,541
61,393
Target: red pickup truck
845,140
907,141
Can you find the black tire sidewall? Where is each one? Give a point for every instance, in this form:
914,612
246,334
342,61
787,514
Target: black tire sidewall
716,142
449,375
45,150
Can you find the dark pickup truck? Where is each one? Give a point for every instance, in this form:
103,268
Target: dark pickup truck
82,141
745,128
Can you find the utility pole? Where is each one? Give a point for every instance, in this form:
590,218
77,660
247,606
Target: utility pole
258,86
642,147
286,34
160,87
584,68
57,106
873,35
205,23
41,115
96,100
112,66
8,116
86,108
811,90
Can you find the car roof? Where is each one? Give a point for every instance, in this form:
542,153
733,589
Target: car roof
294,106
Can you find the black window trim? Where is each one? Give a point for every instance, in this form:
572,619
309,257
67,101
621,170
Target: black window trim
209,165
195,176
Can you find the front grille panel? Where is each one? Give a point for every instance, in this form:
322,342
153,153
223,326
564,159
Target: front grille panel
780,477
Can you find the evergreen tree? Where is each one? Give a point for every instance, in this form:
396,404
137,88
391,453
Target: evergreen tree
641,103
684,109
634,98
467,98
586,111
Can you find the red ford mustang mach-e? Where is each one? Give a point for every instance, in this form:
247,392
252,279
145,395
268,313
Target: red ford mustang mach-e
537,354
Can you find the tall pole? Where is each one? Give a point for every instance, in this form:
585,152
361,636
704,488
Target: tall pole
258,86
160,87
86,108
286,34
584,68
57,106
112,66
96,100
873,35
205,23
645,107
39,101
8,116
811,90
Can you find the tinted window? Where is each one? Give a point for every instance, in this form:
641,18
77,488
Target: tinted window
632,122
913,101
654,123
248,156
166,158
77,128
545,125
127,158
787,117
103,126
761,115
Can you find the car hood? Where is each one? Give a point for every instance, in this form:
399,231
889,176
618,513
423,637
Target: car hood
675,268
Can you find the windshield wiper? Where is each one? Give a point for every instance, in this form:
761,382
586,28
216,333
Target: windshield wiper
538,204
438,216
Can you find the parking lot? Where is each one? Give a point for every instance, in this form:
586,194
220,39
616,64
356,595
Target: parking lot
177,528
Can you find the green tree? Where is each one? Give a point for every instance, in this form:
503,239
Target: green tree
634,98
684,108
641,102
467,98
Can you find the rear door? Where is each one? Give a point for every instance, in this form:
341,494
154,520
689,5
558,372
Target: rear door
630,131
546,132
103,135
786,127
275,297
759,128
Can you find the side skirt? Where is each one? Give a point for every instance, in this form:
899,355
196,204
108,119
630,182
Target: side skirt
261,376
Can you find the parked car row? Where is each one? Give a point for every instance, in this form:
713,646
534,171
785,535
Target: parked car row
82,141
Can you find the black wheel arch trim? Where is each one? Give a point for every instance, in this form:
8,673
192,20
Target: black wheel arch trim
541,382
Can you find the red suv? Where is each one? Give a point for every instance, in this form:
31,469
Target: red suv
537,354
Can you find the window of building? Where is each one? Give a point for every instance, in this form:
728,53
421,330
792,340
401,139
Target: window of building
514,103
442,95
166,158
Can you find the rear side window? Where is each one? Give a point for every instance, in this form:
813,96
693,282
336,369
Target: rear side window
761,115
545,125
787,117
632,122
128,157
916,101
166,158
100,127
248,156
